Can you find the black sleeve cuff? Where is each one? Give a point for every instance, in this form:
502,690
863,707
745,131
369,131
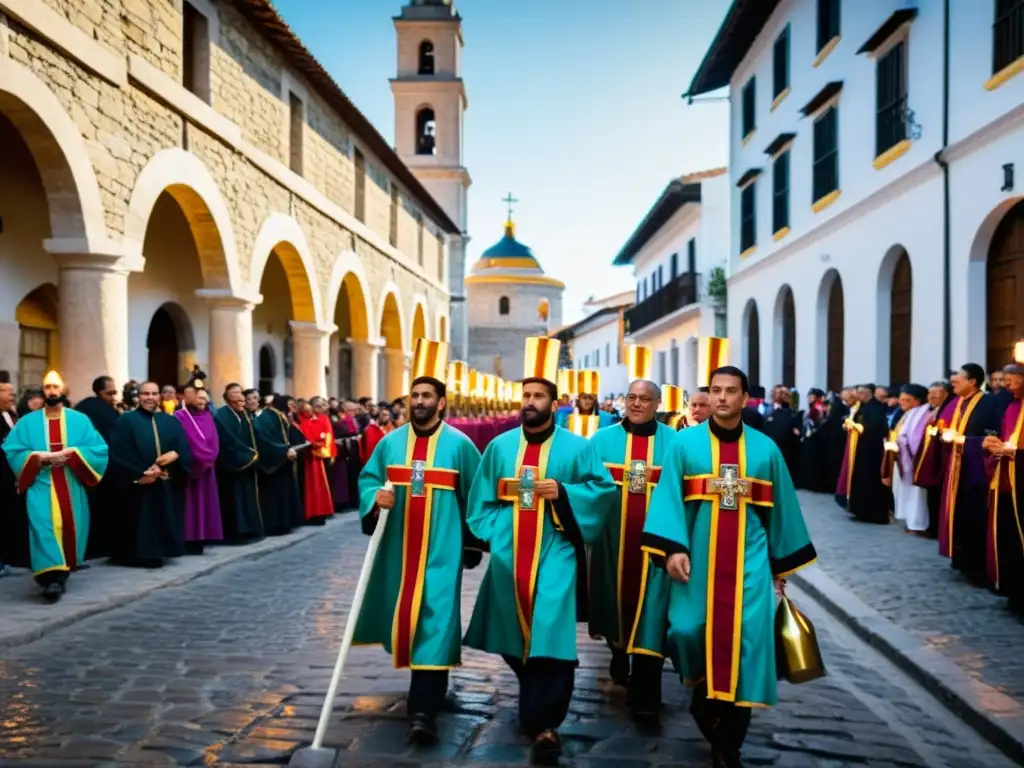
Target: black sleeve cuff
471,542
661,549
369,523
794,562
564,519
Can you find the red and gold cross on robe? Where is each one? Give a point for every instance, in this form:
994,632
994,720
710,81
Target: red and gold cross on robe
729,491
527,527
637,477
421,478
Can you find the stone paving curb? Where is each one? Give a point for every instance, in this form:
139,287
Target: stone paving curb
998,718
233,554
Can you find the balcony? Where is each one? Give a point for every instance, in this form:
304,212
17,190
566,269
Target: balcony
671,297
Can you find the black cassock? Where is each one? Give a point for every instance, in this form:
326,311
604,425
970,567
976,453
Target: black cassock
834,438
13,517
280,502
814,472
101,496
867,498
784,427
149,519
236,476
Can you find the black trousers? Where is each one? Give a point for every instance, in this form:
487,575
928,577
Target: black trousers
47,578
545,690
723,723
644,690
428,689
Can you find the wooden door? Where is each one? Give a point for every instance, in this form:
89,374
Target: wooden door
836,329
900,313
162,343
788,340
1005,324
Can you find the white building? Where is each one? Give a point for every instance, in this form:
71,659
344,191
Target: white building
675,253
596,341
849,122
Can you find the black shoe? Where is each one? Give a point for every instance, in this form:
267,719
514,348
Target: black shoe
53,592
423,730
618,670
645,716
547,749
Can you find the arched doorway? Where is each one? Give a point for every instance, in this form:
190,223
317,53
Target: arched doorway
268,370
1005,288
392,371
900,318
836,329
169,346
351,319
38,346
419,325
753,334
785,336
442,328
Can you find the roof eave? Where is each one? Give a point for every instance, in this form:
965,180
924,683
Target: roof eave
674,197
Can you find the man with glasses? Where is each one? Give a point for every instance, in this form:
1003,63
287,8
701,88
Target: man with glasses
628,596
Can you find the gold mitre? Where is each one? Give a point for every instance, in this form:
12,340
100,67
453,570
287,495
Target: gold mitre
639,362
588,383
430,360
53,379
517,392
797,655
458,377
490,388
541,359
712,353
671,398
567,381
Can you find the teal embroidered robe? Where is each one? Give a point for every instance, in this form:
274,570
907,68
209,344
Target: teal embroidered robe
733,508
55,497
236,475
535,582
628,593
605,419
278,478
413,600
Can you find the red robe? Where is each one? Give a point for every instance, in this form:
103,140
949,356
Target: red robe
374,434
317,430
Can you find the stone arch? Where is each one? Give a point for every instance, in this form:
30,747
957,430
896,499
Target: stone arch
282,235
390,321
426,130
831,318
267,372
895,316
183,176
751,351
785,337
1004,288
441,323
38,342
426,64
170,345
348,275
77,222
419,326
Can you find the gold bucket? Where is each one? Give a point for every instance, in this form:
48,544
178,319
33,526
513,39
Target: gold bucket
797,655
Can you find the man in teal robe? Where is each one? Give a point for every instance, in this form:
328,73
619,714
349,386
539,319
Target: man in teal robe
150,460
725,521
236,469
541,496
413,601
56,454
622,579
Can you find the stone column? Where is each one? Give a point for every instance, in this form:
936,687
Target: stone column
231,352
310,368
365,356
92,317
394,377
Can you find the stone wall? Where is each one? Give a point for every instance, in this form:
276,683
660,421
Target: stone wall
241,140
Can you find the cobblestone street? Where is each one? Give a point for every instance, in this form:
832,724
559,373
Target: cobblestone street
231,668
904,578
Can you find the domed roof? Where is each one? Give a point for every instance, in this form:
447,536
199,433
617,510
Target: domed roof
509,260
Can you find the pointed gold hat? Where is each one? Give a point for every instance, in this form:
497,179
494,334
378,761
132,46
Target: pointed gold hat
430,360
53,379
567,381
541,359
671,398
712,353
458,377
639,362
588,383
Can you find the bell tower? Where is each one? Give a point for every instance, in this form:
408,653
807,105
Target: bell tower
430,104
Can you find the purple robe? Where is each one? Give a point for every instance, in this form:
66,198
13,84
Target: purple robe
910,439
202,504
1003,529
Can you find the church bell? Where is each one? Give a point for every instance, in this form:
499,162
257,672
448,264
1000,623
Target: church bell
797,655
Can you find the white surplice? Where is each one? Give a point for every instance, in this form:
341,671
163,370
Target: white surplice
910,501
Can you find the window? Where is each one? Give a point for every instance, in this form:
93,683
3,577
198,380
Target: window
503,306
195,52
780,192
891,99
426,132
360,202
780,64
749,104
419,238
639,289
662,365
295,132
674,266
675,363
691,255
393,219
661,277
1007,34
426,64
608,353
828,22
748,218
826,154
